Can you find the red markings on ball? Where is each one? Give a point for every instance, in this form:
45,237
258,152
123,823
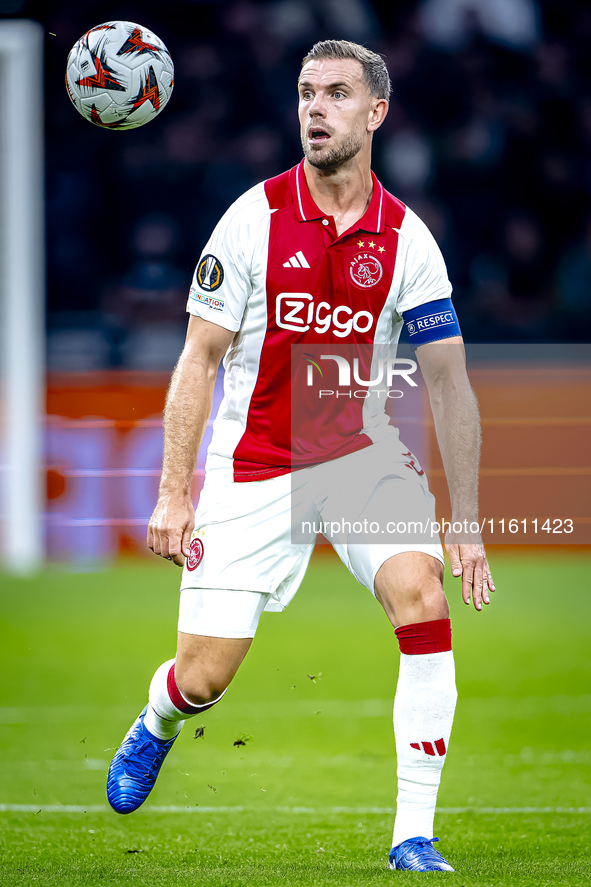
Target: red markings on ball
196,554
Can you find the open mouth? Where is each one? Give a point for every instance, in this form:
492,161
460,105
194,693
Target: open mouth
316,135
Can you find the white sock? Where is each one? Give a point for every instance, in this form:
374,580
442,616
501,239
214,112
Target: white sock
423,715
168,709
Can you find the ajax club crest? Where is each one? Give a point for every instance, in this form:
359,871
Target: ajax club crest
366,270
196,554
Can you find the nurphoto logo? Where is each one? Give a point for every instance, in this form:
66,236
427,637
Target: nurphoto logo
383,370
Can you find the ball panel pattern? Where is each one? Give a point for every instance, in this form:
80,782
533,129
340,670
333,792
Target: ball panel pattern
119,75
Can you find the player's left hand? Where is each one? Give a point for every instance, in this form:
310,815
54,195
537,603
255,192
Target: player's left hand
469,562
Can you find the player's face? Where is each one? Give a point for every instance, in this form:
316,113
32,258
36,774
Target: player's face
335,110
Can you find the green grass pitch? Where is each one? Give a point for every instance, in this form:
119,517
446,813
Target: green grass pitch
308,799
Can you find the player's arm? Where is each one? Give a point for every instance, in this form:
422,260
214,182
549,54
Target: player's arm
187,410
457,425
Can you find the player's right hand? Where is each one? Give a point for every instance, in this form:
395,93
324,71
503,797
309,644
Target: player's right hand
170,528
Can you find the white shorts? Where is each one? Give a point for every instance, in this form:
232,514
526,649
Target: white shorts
253,541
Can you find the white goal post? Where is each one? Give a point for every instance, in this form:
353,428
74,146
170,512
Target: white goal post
22,296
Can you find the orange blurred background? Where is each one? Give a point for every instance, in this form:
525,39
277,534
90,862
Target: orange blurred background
104,449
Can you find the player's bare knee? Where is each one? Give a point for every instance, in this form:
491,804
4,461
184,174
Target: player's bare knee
201,681
200,688
430,599
205,665
421,599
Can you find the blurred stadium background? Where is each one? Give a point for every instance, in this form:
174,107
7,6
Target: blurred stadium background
488,138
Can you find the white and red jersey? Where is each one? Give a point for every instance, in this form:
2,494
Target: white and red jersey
276,272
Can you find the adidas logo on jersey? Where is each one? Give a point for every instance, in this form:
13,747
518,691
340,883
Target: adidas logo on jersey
297,261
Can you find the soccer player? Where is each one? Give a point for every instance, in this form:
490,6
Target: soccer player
322,256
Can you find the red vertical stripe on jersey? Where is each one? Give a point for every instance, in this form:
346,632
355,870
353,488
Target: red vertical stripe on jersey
299,299
428,748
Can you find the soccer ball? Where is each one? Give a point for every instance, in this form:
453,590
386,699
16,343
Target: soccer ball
119,75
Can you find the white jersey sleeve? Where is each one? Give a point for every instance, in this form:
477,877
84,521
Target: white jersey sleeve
222,282
424,276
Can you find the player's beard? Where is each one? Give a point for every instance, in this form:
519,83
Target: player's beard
334,157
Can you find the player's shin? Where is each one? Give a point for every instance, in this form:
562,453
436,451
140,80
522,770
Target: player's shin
168,708
423,715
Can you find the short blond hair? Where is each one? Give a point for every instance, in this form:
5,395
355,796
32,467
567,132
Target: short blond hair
374,67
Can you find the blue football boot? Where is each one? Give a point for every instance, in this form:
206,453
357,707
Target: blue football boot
418,855
134,768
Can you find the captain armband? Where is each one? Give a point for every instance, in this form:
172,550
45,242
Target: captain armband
431,322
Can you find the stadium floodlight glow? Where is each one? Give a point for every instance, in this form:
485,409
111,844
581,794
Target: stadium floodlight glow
22,295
